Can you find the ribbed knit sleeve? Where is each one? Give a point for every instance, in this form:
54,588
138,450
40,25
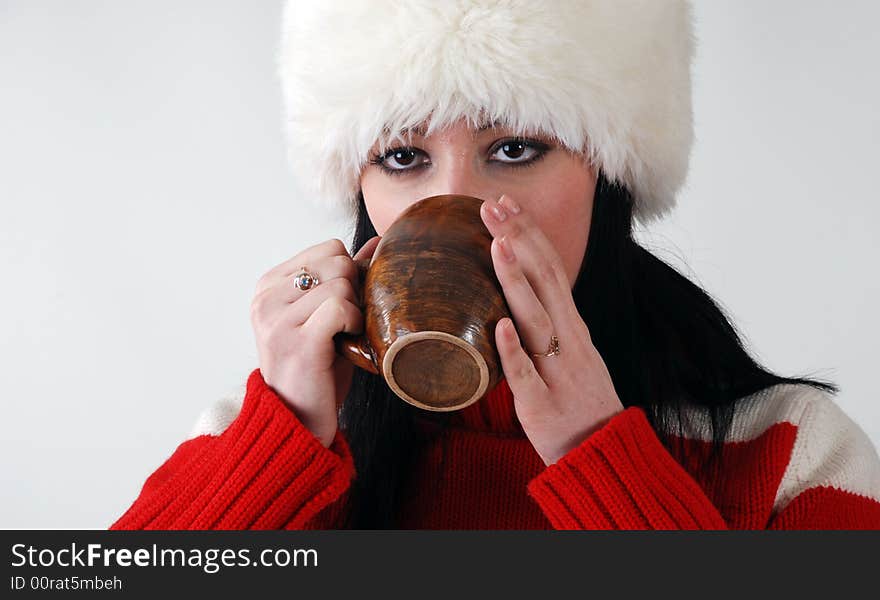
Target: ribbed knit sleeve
622,477
266,470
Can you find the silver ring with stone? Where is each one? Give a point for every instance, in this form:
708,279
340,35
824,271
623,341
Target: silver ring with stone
305,280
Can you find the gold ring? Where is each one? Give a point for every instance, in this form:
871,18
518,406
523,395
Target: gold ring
552,349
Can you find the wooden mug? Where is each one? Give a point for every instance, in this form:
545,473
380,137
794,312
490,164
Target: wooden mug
431,302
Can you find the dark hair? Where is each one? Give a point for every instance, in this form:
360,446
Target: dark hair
665,342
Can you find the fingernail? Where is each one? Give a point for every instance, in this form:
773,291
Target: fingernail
506,250
511,330
509,203
499,212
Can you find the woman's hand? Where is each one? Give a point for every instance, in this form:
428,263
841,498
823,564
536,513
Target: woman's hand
559,400
294,331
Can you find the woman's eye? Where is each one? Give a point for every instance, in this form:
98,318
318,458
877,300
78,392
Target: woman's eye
402,159
516,151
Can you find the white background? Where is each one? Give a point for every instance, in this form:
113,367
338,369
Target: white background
143,191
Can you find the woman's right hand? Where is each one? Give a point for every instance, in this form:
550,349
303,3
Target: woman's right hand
294,332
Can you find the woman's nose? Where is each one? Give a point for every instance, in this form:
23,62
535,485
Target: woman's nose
459,176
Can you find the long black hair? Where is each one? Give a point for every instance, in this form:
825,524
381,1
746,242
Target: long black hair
665,341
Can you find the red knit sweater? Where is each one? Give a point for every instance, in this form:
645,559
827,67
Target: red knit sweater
794,460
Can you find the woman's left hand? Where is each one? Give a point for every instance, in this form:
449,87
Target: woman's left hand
559,400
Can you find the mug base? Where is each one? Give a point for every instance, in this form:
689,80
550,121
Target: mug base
435,371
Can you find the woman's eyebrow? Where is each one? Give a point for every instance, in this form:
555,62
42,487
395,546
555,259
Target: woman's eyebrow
488,125
421,130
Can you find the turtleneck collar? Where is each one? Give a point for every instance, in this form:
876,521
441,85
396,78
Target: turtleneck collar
493,413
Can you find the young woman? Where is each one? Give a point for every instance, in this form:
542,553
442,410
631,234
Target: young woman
628,399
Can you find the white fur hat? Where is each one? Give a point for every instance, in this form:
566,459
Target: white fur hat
609,78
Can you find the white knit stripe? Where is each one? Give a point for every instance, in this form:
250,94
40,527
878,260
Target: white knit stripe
754,415
216,418
829,450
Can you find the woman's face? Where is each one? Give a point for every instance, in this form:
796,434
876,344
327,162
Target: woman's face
549,182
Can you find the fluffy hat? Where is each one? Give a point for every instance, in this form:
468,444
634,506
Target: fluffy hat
609,78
